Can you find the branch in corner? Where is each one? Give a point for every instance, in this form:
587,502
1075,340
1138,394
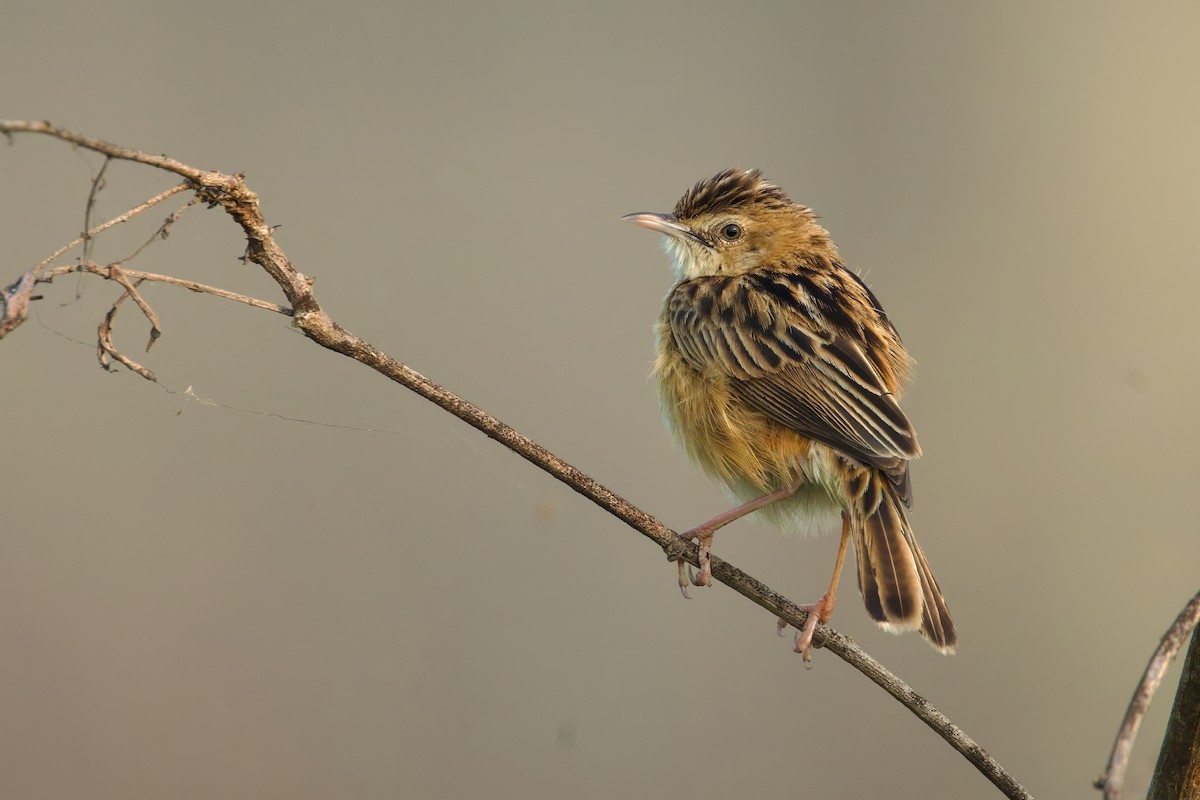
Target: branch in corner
1112,782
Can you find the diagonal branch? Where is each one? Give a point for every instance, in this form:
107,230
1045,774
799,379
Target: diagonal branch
1112,782
1177,775
117,220
231,192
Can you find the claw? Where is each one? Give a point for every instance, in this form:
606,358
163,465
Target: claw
804,637
817,612
704,539
780,627
703,534
684,578
704,576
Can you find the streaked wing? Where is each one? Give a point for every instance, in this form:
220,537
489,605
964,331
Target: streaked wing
789,358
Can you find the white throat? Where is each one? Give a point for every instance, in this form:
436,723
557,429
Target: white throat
690,259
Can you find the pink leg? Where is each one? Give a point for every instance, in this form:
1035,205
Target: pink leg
703,534
822,610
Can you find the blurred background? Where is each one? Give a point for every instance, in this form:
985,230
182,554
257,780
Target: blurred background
204,599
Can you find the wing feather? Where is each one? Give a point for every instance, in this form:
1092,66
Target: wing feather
788,358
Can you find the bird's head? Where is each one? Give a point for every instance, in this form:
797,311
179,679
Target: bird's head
734,222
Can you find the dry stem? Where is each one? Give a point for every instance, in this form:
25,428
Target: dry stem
1177,774
1112,782
117,220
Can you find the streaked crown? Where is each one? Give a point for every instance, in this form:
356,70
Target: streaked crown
734,222
729,190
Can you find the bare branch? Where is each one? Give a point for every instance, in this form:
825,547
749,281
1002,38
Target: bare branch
97,185
106,351
1112,782
163,231
118,275
231,193
137,275
1177,774
9,127
128,215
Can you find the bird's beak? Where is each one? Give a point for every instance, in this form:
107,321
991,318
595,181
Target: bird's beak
663,223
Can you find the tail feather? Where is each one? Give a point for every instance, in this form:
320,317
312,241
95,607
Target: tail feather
897,585
937,626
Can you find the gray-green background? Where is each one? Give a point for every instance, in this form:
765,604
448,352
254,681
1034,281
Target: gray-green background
198,602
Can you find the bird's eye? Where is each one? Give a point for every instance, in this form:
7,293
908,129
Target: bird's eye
732,232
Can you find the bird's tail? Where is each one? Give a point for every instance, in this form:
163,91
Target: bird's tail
895,580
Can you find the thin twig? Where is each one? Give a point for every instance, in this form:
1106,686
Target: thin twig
104,148
117,220
117,274
1177,773
231,192
162,232
97,185
1113,780
138,275
106,350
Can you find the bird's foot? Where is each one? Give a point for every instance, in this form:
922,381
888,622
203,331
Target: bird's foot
704,538
819,611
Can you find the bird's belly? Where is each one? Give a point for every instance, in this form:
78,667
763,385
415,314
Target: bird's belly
751,454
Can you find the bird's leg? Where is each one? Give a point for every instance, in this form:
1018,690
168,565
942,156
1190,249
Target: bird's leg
822,610
703,534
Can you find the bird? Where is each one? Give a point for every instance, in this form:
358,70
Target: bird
779,373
